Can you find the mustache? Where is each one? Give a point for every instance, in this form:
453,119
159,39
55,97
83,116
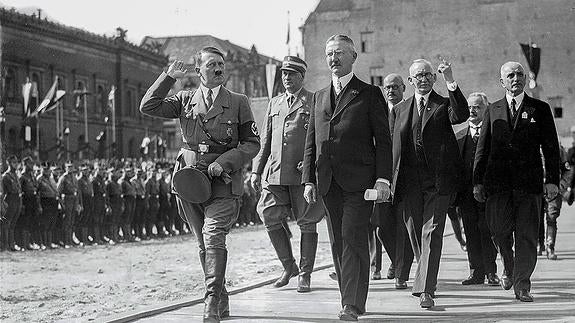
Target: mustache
219,73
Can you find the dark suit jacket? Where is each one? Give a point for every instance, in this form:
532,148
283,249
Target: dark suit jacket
441,150
465,192
508,156
352,144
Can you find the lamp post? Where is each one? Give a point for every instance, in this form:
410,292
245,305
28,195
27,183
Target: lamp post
67,135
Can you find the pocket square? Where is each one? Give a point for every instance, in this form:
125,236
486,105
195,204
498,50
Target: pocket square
532,120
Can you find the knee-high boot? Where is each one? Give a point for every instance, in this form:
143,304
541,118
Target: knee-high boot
224,305
215,269
308,248
281,242
551,236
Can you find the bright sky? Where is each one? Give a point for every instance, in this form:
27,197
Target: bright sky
244,22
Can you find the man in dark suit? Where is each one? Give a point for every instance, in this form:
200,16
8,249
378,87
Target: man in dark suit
428,168
348,150
508,173
481,252
392,231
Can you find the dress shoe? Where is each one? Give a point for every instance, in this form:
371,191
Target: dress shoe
551,253
474,280
524,296
304,283
376,275
493,279
426,301
348,313
506,282
333,275
391,272
400,283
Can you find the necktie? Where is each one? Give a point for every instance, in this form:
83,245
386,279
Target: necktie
421,106
290,100
209,100
476,135
513,103
338,87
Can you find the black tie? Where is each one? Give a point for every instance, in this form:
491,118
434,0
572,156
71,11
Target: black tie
290,100
476,136
209,100
513,103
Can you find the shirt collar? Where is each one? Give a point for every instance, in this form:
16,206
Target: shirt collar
344,80
471,125
295,95
391,105
518,99
419,96
215,91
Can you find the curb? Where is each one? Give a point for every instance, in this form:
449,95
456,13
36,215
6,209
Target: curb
167,307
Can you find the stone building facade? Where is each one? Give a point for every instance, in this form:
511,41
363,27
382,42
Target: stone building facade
477,36
41,51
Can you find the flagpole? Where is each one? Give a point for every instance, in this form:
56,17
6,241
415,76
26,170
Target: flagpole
86,121
38,127
288,35
114,126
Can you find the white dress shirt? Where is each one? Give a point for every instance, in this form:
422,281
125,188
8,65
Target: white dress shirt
344,80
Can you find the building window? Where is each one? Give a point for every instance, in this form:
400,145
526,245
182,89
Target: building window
556,106
130,103
376,75
10,84
37,82
101,100
366,42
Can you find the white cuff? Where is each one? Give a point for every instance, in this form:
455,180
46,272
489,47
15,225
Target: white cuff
452,86
383,180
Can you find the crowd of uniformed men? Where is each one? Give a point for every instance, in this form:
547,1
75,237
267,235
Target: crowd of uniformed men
45,206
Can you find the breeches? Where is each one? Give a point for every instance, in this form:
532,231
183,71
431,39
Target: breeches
212,220
278,202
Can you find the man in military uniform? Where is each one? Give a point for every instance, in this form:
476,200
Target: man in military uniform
280,161
163,219
99,206
71,201
27,223
116,202
85,218
129,204
13,197
219,131
153,192
49,200
141,203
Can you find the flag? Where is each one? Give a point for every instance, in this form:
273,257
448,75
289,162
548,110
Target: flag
51,100
533,55
78,96
29,91
112,97
287,38
26,91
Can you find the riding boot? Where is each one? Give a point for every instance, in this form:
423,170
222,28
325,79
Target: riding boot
281,243
215,266
224,305
308,247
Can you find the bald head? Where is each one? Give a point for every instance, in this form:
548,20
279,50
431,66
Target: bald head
513,78
393,88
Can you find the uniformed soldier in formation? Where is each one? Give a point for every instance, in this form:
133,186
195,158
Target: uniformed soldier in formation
153,192
141,203
27,223
49,200
99,205
116,202
13,197
71,202
85,220
163,219
220,134
129,204
280,162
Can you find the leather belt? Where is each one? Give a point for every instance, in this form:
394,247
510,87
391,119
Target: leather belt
212,149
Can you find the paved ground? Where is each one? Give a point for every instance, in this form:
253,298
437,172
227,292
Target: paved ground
553,289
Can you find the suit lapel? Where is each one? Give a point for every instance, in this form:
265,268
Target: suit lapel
461,137
296,105
429,110
349,93
404,123
221,101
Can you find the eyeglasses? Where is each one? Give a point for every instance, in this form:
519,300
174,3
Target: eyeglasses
392,87
335,53
421,76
